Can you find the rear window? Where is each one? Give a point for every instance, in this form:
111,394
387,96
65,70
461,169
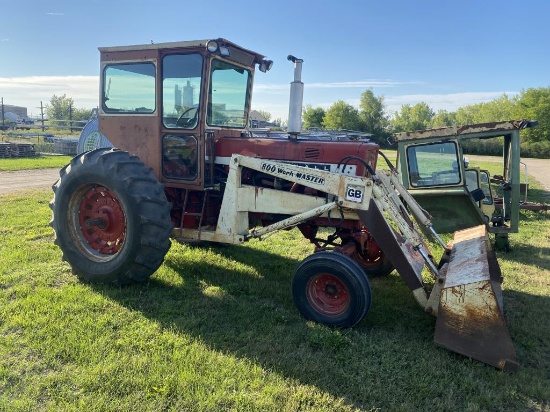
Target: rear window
129,88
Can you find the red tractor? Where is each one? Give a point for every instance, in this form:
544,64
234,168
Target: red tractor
184,164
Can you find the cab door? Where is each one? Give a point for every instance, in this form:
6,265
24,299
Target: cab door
181,124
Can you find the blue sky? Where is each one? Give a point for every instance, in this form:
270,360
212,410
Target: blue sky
445,53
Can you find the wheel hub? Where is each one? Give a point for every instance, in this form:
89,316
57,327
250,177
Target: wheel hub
102,220
328,294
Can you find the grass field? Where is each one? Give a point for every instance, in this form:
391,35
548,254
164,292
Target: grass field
38,162
215,329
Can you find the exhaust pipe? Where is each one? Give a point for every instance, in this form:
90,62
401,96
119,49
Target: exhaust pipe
296,99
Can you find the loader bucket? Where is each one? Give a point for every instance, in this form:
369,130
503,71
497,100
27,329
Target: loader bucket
470,318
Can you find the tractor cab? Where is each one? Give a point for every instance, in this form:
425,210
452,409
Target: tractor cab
167,103
434,170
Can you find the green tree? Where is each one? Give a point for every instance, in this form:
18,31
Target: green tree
373,117
81,114
443,118
466,115
62,108
341,115
265,114
417,117
496,110
534,104
313,116
59,107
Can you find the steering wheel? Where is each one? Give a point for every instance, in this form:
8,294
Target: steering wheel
187,121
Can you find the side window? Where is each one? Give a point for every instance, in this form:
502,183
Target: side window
472,179
433,164
227,99
179,157
129,88
181,86
486,187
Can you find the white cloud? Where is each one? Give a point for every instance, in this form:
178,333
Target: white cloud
30,91
55,14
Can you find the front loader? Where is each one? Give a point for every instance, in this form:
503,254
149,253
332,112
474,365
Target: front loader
182,164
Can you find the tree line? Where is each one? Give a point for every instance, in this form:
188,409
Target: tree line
62,108
372,117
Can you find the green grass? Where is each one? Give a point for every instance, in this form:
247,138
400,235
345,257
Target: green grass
38,162
215,329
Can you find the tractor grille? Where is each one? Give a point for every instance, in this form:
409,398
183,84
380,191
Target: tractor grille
311,153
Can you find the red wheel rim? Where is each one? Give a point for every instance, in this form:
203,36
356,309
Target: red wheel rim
371,256
102,220
327,294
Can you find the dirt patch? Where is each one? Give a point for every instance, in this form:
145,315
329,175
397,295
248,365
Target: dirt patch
27,179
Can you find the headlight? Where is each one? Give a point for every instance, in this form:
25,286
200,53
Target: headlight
224,51
265,65
212,46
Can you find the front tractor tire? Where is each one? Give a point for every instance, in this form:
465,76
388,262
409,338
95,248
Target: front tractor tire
332,289
111,217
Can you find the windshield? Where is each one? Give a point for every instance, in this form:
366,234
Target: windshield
228,95
433,164
181,85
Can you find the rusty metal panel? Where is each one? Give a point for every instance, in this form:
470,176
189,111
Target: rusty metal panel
470,318
454,131
137,134
407,261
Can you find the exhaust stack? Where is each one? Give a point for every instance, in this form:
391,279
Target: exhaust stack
296,98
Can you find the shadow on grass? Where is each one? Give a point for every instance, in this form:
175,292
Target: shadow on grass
252,316
536,195
538,256
255,318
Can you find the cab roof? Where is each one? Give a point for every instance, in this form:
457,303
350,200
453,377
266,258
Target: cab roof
178,45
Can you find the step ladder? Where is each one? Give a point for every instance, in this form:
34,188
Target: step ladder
200,214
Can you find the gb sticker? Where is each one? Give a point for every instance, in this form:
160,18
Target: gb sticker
354,193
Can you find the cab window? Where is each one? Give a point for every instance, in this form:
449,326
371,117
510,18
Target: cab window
433,164
228,95
129,88
181,87
180,157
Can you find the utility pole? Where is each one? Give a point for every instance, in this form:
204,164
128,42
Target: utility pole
41,114
71,117
3,124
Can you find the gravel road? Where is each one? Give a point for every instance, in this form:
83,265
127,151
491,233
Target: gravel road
538,169
27,179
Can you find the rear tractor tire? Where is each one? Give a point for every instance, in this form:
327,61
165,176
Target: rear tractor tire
111,217
332,289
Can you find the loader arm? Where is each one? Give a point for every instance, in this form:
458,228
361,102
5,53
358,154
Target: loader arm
372,200
383,205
